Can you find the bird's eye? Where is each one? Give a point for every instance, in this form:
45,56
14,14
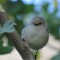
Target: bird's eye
36,24
39,23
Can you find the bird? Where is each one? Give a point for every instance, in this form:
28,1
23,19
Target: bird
36,33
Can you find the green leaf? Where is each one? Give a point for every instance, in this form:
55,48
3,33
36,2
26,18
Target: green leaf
1,42
1,30
38,55
7,27
5,50
19,26
9,24
3,1
10,42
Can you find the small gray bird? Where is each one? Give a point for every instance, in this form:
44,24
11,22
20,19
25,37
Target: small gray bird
36,33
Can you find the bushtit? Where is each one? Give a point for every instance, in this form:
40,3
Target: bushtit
36,33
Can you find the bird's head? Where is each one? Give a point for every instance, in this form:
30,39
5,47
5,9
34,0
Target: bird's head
38,21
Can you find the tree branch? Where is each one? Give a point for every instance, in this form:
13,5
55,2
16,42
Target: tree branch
21,46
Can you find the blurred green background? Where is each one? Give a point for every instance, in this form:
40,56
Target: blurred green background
21,11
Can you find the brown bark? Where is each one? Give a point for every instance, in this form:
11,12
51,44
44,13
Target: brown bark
21,46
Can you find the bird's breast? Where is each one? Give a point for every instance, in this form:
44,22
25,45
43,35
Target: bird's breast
35,36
